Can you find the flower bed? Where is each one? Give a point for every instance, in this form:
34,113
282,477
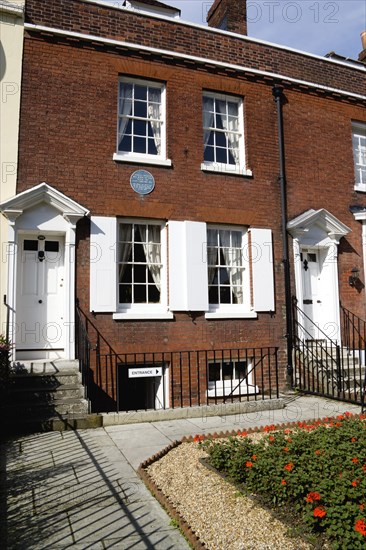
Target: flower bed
316,472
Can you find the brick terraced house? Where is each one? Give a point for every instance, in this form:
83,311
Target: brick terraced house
190,213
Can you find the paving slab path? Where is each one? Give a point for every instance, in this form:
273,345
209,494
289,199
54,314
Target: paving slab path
80,489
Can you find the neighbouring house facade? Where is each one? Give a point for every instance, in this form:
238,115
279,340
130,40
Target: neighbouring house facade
181,183
11,50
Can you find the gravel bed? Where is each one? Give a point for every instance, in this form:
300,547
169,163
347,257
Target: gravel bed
216,512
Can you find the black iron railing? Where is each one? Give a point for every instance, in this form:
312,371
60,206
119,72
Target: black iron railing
325,366
5,351
172,379
354,338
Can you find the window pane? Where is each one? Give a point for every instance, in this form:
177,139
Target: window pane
125,144
125,294
221,155
227,371
139,294
139,127
225,295
139,253
30,245
154,95
232,109
224,276
125,273
214,372
140,92
152,149
208,104
51,246
140,109
214,295
139,145
221,140
209,154
139,273
154,294
140,233
125,232
240,370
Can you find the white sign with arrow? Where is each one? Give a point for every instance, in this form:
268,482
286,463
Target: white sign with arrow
145,372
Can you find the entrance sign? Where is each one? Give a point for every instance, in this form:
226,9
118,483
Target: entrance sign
145,373
142,182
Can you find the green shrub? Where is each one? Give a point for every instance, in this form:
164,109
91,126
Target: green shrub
317,471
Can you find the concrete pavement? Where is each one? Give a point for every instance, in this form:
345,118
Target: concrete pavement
80,489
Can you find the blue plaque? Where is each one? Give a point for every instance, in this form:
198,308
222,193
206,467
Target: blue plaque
142,182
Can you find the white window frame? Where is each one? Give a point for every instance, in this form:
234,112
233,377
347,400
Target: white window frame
144,158
359,136
244,310
226,388
240,167
145,310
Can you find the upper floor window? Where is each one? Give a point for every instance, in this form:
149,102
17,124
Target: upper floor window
359,152
141,122
223,133
227,274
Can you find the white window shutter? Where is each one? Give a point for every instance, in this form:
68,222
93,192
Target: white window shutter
188,279
103,272
262,269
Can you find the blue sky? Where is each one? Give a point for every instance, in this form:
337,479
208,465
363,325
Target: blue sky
315,26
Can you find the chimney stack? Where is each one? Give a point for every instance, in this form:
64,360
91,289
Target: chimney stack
362,56
228,15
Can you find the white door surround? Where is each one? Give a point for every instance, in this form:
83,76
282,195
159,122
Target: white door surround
316,235
42,214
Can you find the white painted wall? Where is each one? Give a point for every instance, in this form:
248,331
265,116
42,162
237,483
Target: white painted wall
11,52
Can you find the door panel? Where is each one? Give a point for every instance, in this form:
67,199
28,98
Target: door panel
40,293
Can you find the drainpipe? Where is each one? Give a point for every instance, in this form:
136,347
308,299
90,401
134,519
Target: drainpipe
277,92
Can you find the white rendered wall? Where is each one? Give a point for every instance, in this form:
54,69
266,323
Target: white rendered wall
11,52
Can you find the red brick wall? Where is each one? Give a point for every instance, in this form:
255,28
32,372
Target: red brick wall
80,16
68,137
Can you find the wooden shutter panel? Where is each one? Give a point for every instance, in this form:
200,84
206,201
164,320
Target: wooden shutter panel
188,279
103,271
262,269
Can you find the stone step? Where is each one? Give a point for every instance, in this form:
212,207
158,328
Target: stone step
46,394
42,366
65,406
45,380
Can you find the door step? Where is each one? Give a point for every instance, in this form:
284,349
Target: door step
44,394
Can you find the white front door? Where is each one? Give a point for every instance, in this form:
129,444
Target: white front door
40,326
319,304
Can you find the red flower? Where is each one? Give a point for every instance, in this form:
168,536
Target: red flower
285,449
338,424
319,512
249,464
289,439
243,434
197,438
312,497
364,468
269,428
289,466
318,452
360,527
271,438
355,460
283,482
254,457
362,507
347,413
354,439
354,483
340,417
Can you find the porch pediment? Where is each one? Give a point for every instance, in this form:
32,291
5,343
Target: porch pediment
43,194
315,220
